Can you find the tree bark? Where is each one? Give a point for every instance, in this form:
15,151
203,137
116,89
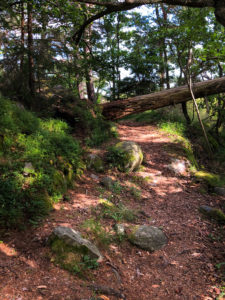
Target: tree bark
30,50
121,108
22,30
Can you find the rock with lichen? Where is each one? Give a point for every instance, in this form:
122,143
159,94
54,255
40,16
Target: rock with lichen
107,182
69,247
147,237
94,162
127,156
213,213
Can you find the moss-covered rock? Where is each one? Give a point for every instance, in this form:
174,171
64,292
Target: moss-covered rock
147,237
126,156
213,213
94,162
107,182
71,251
211,179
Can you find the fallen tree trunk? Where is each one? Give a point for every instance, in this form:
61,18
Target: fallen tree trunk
121,108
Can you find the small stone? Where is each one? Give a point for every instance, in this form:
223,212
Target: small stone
95,162
219,191
94,177
178,166
107,182
148,237
213,213
28,169
120,229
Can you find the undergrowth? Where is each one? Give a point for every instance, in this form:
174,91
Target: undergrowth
53,157
91,121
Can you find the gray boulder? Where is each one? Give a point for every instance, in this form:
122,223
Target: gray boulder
132,156
147,237
73,238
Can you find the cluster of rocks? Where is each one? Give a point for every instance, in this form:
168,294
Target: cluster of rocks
146,237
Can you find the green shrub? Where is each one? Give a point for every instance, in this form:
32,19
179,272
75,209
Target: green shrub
54,157
117,157
90,119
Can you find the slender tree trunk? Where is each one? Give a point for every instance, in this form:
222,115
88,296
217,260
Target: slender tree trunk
31,81
185,112
161,64
166,65
22,28
118,55
189,82
88,70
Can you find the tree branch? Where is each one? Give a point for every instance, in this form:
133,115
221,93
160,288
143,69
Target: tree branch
77,36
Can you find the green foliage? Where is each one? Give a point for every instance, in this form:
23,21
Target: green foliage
91,121
213,180
97,232
117,157
136,193
54,158
73,259
118,213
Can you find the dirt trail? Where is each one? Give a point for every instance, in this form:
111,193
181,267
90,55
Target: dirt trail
184,269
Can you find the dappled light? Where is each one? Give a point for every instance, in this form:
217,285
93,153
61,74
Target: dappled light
112,150
7,250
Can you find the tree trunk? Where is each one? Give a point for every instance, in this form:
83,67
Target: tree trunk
30,50
88,70
22,24
118,109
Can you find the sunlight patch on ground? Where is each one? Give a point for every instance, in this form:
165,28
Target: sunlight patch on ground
9,251
29,262
84,201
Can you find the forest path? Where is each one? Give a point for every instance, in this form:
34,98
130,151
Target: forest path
183,269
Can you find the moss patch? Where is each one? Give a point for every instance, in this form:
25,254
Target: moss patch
126,156
211,179
213,213
73,259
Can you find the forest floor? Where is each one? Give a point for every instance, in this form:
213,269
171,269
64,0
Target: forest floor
183,269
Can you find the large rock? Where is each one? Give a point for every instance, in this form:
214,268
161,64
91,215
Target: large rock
73,238
147,237
129,156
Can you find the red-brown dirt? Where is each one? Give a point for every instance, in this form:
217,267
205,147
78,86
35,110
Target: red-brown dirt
183,269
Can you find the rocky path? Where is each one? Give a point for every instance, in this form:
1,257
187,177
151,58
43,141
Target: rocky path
183,269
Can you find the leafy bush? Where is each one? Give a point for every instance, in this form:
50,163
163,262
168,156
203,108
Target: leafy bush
54,158
117,157
90,119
